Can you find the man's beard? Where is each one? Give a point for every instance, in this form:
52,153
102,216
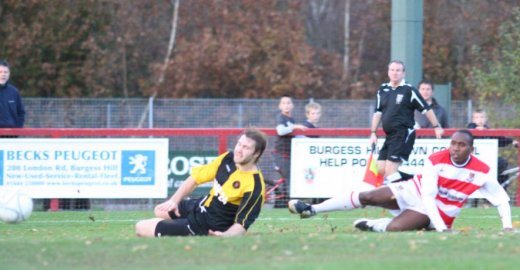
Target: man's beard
244,161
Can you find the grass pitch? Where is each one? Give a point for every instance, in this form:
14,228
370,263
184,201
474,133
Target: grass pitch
278,240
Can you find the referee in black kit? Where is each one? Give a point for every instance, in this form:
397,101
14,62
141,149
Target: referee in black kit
395,106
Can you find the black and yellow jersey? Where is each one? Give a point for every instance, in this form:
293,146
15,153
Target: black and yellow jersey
236,196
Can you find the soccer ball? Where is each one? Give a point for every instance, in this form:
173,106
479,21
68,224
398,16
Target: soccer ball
15,206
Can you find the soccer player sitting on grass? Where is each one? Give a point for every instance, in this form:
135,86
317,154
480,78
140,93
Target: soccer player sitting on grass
428,201
232,205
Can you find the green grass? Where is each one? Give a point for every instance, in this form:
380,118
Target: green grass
278,240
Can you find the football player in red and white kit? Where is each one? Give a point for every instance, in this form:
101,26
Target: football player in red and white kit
428,201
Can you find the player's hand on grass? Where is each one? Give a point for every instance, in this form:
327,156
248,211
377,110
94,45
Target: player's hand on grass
235,230
215,233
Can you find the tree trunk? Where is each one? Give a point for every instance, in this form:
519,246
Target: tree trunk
171,43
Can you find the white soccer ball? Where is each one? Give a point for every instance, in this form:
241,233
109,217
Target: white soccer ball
15,206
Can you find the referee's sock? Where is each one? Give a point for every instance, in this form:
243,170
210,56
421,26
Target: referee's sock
405,176
392,178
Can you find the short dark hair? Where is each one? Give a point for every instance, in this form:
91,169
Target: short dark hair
479,111
4,63
259,138
425,82
469,134
398,62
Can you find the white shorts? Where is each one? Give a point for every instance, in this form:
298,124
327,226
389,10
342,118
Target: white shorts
408,196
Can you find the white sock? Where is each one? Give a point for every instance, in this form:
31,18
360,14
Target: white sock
392,178
345,202
379,225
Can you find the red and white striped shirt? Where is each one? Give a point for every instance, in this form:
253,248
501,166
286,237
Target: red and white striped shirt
446,186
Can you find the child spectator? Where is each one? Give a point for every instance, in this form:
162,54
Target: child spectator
313,114
479,121
285,125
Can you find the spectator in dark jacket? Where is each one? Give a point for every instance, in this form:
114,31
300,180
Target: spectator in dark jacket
426,91
12,112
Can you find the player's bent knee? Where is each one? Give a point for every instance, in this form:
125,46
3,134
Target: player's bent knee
140,228
146,228
418,223
394,227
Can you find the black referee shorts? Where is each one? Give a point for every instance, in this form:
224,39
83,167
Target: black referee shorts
398,145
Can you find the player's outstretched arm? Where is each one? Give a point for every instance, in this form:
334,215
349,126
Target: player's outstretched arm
429,191
496,194
504,210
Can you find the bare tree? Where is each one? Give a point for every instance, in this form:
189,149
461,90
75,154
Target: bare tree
171,43
323,24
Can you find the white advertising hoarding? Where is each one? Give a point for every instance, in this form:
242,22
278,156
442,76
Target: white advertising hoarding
325,167
86,168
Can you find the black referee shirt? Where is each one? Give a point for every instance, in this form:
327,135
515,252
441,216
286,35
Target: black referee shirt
398,105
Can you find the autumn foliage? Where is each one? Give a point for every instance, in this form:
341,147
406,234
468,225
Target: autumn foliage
232,49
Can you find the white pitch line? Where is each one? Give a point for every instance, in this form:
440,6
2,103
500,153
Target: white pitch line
315,219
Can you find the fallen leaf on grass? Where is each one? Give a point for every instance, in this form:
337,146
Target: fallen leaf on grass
412,245
139,248
466,229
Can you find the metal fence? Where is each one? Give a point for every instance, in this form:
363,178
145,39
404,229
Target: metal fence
198,113
194,113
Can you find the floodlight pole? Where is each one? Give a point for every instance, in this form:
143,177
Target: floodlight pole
407,37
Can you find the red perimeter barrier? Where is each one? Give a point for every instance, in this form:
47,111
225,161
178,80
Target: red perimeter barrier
224,133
